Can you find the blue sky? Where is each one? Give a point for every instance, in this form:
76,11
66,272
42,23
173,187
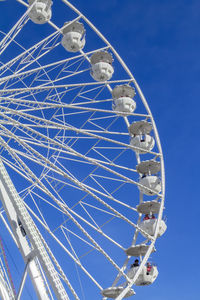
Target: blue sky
160,43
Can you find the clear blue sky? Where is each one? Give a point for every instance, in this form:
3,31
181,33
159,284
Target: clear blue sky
159,40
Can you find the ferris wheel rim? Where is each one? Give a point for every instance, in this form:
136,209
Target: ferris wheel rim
161,196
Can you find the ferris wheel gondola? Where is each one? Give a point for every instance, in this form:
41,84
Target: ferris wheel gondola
74,128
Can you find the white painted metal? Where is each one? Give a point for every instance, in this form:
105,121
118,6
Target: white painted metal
145,277
22,242
140,127
138,250
149,226
40,12
149,167
145,142
4,291
5,269
124,106
48,142
22,282
102,69
15,210
149,207
73,36
123,103
150,185
113,292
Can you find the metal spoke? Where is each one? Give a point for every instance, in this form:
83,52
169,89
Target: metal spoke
70,173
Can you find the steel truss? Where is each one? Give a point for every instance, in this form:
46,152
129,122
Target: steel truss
72,153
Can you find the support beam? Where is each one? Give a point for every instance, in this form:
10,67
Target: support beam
18,216
22,282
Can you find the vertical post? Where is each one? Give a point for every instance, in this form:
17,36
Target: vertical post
16,211
22,282
21,240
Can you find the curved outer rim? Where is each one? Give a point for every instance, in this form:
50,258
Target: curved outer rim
132,79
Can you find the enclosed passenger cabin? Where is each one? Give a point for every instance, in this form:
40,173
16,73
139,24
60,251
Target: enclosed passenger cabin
149,226
147,275
138,250
73,36
149,207
140,136
102,69
114,291
140,127
144,142
41,11
150,184
123,103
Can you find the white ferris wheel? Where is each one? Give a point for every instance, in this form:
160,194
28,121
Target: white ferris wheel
81,167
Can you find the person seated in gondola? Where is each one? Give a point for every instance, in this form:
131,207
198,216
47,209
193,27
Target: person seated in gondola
152,216
144,175
135,264
149,267
146,217
142,138
23,232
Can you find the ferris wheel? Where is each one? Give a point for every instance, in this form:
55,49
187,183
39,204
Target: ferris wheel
81,169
